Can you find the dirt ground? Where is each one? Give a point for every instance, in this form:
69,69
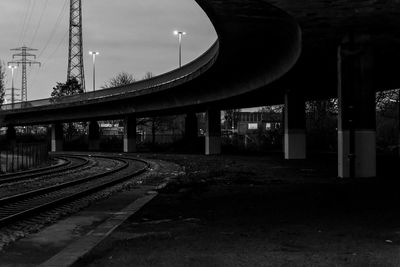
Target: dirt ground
262,211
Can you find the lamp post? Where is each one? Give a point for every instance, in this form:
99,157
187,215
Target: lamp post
12,68
94,54
180,33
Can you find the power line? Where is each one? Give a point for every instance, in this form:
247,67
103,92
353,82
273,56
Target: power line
24,21
46,59
29,20
39,22
64,38
59,18
52,34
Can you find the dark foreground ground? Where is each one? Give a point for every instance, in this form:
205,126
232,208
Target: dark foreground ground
262,211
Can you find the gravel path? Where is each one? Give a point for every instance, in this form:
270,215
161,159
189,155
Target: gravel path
260,211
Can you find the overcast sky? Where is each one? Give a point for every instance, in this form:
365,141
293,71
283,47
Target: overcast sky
135,36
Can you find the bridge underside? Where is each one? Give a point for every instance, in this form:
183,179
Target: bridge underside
269,52
258,44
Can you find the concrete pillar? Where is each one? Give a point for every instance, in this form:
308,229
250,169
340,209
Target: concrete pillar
191,126
398,125
398,143
213,135
11,135
295,127
356,121
94,136
57,137
130,134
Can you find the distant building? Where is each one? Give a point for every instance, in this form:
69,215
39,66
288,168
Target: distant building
111,129
253,130
167,129
251,122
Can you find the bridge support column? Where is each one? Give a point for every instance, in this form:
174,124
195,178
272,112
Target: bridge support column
57,137
213,135
356,121
94,136
11,135
295,127
130,134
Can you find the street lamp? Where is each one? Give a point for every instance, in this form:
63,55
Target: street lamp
180,33
94,54
12,68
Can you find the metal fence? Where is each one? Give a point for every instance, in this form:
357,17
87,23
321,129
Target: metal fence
23,156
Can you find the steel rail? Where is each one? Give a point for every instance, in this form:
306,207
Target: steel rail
10,207
55,169
31,171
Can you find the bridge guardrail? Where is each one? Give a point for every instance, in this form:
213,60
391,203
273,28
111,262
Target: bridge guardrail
174,76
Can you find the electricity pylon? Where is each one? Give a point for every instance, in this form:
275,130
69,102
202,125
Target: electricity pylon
75,54
23,59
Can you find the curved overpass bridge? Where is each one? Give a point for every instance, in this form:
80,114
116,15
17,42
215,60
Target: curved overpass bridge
240,61
267,52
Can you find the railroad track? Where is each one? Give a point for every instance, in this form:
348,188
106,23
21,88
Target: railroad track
27,204
68,163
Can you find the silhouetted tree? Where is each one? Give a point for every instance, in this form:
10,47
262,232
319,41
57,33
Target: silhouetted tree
231,118
153,123
272,109
70,87
2,82
387,120
385,99
157,123
122,78
148,75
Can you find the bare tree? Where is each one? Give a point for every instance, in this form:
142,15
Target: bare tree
2,82
154,123
157,123
387,120
122,78
231,118
148,75
272,109
385,99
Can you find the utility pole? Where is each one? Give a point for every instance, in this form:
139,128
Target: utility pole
23,59
75,53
